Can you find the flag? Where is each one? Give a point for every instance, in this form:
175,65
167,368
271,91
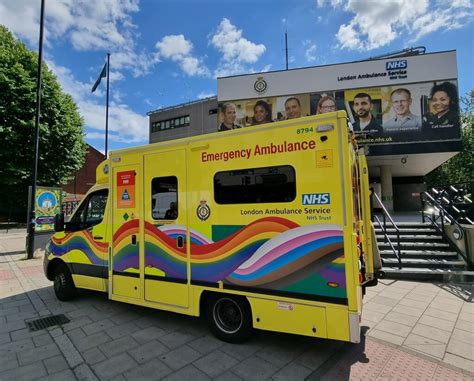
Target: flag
103,74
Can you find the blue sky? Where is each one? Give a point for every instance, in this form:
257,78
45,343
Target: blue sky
166,52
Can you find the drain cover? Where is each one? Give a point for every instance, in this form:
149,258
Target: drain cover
45,322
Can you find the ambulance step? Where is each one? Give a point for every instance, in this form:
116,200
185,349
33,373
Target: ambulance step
433,263
441,275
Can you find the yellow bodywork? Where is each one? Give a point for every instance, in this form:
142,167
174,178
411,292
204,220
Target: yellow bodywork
297,260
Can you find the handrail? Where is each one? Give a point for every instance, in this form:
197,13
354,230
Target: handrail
444,214
456,199
396,251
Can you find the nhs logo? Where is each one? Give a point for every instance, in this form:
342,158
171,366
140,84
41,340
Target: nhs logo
393,65
316,199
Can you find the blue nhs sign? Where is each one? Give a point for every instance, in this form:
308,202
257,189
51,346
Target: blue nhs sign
316,199
400,64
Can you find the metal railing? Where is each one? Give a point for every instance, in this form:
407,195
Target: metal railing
438,217
456,199
386,216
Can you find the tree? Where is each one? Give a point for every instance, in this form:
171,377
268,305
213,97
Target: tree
460,168
61,147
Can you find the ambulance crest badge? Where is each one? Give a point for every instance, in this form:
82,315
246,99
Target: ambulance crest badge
203,211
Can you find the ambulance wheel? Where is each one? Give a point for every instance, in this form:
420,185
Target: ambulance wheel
229,318
64,287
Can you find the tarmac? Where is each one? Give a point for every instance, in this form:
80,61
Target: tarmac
411,331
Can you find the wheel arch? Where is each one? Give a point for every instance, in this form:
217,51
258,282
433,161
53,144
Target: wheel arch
53,265
206,294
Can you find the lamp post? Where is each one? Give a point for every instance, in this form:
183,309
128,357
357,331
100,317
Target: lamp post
32,216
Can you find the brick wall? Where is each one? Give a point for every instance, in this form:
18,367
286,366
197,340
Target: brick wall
85,177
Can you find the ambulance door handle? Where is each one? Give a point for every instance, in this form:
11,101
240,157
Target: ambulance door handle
98,237
180,241
134,239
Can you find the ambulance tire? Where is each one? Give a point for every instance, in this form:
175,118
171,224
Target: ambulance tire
229,317
64,287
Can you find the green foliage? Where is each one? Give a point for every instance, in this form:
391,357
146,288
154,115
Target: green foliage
61,147
460,168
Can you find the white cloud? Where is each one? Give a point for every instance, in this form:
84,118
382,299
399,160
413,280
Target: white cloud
178,49
236,50
310,50
125,125
229,41
333,3
206,94
89,26
175,47
377,25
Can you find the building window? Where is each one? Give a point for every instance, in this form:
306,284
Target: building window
255,185
181,121
164,198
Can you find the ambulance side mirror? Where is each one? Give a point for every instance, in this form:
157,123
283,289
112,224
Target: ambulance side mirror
59,222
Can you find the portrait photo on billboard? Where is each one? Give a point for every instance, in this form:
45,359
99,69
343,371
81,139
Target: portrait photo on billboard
420,112
364,109
293,106
326,101
441,113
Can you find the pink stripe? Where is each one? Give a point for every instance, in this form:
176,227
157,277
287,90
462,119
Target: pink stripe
174,231
286,247
182,231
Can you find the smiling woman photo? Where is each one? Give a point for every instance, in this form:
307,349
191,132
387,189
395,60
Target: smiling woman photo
262,113
444,106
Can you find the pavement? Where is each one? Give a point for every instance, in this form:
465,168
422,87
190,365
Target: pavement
411,331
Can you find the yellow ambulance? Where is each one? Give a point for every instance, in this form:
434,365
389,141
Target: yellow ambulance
265,227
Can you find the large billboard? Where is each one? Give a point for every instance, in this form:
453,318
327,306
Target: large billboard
390,102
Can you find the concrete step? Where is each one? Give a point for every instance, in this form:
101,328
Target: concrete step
425,263
441,275
411,237
426,231
415,246
414,225
421,254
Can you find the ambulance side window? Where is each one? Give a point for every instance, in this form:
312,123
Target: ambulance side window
90,213
164,198
255,185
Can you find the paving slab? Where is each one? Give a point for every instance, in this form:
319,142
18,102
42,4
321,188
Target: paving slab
114,366
145,352
215,363
254,368
460,362
152,370
180,357
189,372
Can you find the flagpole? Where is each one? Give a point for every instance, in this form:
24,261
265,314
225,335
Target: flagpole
107,106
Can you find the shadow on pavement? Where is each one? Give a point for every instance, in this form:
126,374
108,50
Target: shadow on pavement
462,291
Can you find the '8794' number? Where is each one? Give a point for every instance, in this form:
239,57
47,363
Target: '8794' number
305,130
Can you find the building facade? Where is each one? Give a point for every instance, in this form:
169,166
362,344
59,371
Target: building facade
184,120
393,103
